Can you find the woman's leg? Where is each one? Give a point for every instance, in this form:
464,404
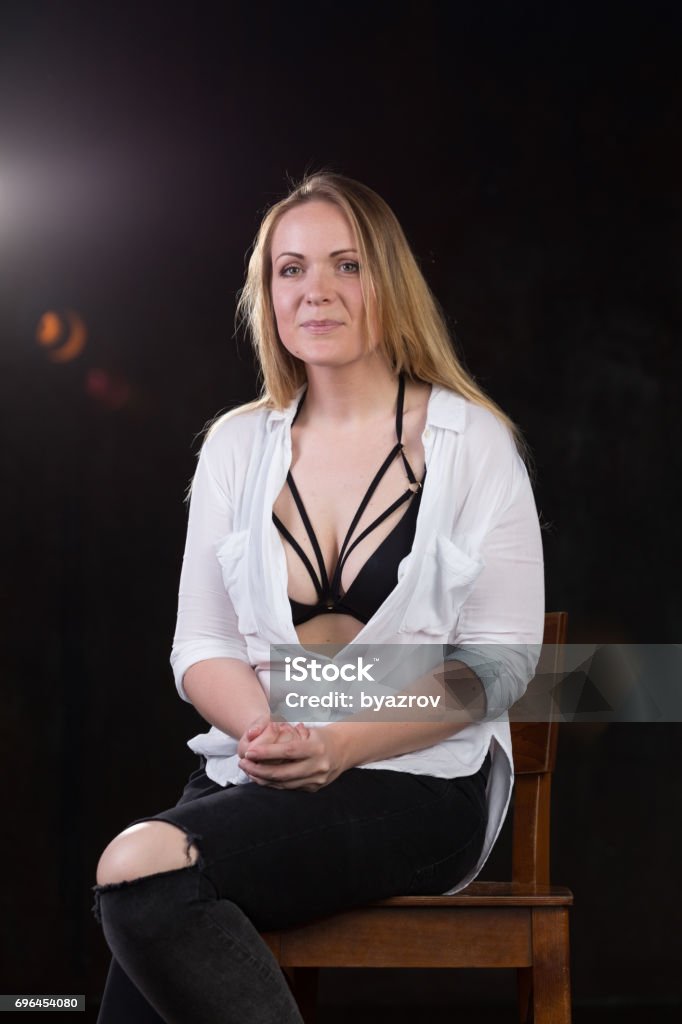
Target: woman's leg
188,938
194,958
123,1001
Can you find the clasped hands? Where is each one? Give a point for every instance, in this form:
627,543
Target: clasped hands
287,756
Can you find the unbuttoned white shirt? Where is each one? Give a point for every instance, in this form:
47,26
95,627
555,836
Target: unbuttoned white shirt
473,578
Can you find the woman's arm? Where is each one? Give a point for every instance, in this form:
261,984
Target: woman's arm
209,656
227,693
500,628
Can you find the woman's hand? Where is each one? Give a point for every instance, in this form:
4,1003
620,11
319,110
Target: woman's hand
299,758
264,730
257,727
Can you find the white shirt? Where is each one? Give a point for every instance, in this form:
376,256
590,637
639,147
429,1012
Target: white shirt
474,577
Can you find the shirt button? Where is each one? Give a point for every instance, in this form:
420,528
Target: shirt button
426,435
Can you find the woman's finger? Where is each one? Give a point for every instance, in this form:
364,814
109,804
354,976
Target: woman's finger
287,772
275,751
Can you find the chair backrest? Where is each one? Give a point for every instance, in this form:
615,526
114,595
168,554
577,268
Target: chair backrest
534,745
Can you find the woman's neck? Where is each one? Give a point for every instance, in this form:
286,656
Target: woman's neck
349,395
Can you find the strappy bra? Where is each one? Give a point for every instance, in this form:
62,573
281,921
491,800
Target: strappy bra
379,574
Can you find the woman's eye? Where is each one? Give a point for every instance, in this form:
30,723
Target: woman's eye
284,272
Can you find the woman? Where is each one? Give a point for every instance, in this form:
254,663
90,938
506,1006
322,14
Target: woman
373,495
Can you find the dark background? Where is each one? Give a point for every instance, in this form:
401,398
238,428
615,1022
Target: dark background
532,153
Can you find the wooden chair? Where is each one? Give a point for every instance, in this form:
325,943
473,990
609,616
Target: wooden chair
522,923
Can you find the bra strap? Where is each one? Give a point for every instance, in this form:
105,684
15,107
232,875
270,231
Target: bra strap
414,483
311,534
300,552
358,515
299,406
377,522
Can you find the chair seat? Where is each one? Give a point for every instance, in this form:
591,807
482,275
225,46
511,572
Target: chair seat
489,894
429,931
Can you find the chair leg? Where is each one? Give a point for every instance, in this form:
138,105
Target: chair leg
304,986
524,994
551,970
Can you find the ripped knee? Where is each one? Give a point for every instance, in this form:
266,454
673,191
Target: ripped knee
147,848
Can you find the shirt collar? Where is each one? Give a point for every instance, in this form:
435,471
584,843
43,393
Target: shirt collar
288,412
445,409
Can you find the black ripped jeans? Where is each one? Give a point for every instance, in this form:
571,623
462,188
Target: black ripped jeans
186,944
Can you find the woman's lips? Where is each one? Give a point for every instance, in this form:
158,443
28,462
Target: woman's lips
321,327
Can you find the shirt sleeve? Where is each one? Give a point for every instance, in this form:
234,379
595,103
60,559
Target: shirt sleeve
500,627
206,624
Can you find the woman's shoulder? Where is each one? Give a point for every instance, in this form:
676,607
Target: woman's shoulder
231,443
238,425
490,467
479,425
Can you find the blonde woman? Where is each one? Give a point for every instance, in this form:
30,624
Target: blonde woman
372,495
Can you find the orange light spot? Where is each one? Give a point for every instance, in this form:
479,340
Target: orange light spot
75,340
50,329
64,333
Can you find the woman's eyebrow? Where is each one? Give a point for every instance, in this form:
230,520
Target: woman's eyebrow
300,256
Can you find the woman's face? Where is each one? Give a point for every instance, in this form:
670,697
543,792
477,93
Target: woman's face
316,290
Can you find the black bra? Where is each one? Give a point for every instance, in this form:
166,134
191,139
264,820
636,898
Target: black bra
379,574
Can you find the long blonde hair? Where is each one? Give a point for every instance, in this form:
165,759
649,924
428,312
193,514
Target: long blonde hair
414,334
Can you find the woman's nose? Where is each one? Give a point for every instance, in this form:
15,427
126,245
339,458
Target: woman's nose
318,285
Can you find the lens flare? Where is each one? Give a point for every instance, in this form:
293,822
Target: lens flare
64,335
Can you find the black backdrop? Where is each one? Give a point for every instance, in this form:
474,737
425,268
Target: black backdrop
532,154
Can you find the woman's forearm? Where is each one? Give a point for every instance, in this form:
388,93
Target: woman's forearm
461,699
227,693
364,742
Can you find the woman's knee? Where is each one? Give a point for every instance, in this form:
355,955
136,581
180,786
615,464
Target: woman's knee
145,849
